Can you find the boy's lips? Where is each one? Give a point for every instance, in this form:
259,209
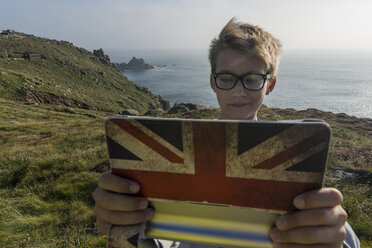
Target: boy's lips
238,105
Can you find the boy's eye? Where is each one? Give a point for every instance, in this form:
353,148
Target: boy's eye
253,79
226,78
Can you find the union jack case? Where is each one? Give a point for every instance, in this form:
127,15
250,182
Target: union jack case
218,182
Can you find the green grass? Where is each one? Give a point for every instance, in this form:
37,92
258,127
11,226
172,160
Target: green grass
51,158
357,202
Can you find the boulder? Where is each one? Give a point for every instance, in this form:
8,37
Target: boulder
165,104
150,112
178,108
184,107
192,106
153,111
130,112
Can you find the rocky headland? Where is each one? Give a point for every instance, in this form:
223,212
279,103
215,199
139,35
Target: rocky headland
44,71
135,64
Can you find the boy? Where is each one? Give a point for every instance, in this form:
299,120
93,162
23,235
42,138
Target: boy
244,61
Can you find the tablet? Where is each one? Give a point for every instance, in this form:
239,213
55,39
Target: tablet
218,182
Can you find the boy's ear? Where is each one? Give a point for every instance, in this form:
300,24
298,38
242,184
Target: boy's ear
271,85
211,81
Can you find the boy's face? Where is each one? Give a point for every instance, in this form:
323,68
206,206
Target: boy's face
239,103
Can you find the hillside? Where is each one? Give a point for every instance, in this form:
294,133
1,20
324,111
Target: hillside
63,74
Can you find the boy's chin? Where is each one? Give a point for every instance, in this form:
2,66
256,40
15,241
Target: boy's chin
239,116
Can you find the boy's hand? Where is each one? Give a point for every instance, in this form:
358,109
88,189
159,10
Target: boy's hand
320,221
114,206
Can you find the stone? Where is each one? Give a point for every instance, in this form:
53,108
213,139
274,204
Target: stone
159,110
165,104
129,112
83,72
150,112
178,108
185,107
192,106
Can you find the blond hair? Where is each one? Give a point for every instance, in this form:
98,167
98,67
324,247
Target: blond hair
250,39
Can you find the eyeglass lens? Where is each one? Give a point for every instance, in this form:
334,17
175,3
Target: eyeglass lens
228,81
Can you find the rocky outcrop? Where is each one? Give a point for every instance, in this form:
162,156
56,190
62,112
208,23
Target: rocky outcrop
165,104
102,57
159,101
135,64
184,107
177,108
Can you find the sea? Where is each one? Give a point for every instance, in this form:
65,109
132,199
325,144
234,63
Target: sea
339,82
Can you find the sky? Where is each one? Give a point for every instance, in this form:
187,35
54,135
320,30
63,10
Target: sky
188,24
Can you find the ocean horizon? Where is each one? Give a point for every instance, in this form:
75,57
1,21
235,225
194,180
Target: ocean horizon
328,81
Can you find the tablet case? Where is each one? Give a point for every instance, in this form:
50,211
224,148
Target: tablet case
218,182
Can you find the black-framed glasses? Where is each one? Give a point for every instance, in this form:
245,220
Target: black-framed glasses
250,81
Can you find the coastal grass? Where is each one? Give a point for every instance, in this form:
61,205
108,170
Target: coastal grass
349,163
357,193
51,158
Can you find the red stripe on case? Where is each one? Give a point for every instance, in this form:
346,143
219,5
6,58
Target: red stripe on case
293,151
149,141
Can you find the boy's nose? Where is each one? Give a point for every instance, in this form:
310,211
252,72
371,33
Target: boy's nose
239,90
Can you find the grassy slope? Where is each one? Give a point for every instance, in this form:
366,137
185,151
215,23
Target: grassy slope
51,157
72,74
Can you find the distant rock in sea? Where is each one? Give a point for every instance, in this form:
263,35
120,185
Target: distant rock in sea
135,64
